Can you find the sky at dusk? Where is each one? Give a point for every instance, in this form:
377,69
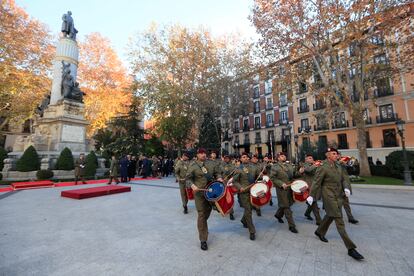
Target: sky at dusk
118,20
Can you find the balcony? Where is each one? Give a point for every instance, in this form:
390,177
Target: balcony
283,103
368,121
306,129
303,109
391,118
319,105
258,140
321,127
389,143
343,145
257,126
270,124
340,124
283,121
383,92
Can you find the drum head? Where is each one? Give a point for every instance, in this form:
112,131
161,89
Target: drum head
215,191
298,186
259,188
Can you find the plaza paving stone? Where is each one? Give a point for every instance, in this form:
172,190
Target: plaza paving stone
144,232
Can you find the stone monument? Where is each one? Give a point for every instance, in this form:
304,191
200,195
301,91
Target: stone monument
60,120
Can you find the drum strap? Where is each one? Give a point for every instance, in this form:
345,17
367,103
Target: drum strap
207,175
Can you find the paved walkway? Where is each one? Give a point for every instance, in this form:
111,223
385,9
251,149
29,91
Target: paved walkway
145,233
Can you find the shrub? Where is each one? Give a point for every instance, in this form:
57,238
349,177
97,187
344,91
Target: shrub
3,155
44,174
65,160
380,170
29,161
394,163
91,164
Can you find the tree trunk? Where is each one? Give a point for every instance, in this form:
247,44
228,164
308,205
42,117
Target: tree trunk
364,169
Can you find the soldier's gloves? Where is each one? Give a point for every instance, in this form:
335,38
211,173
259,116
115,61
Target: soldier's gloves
347,192
266,178
309,200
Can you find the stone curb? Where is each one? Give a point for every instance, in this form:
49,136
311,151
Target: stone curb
386,187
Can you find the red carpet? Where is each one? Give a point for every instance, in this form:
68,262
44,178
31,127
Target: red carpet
32,184
96,191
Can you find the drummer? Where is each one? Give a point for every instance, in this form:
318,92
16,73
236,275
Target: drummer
243,178
308,173
199,175
255,162
281,173
267,162
227,170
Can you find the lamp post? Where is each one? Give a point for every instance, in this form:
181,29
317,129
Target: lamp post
407,173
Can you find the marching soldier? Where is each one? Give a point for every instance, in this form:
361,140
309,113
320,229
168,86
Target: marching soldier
113,170
199,174
80,169
308,174
347,207
243,178
181,168
281,173
255,162
267,162
227,169
329,179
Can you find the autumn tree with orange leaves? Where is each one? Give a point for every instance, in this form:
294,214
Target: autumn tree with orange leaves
26,52
345,51
104,80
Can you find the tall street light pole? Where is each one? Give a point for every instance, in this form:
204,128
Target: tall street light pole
407,173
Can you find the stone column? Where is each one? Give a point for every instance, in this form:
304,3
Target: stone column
67,50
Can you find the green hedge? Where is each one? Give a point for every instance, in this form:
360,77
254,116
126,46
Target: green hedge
65,160
44,174
91,164
380,170
29,161
395,165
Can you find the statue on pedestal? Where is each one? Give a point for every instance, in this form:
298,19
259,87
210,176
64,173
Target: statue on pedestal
68,26
70,88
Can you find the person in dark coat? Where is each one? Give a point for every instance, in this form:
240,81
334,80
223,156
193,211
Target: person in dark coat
146,167
124,169
132,167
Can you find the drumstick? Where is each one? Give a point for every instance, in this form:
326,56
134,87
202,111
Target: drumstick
205,190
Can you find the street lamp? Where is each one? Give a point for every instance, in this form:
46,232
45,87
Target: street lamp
407,173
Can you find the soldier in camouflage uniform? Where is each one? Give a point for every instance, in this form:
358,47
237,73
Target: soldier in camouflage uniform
281,174
329,181
180,170
244,176
199,175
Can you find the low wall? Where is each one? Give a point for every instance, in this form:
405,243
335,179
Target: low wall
57,174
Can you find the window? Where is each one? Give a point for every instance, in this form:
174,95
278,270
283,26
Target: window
27,126
236,139
339,120
352,49
256,122
269,103
283,100
323,143
268,87
271,136
342,141
269,120
303,106
368,140
383,87
386,111
302,87
380,59
236,126
245,124
256,107
283,115
304,124
226,147
256,92
377,40
258,138
246,139
389,138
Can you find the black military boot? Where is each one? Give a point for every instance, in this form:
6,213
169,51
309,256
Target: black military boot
231,217
185,210
353,221
252,236
293,229
322,238
204,246
259,212
354,254
280,220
